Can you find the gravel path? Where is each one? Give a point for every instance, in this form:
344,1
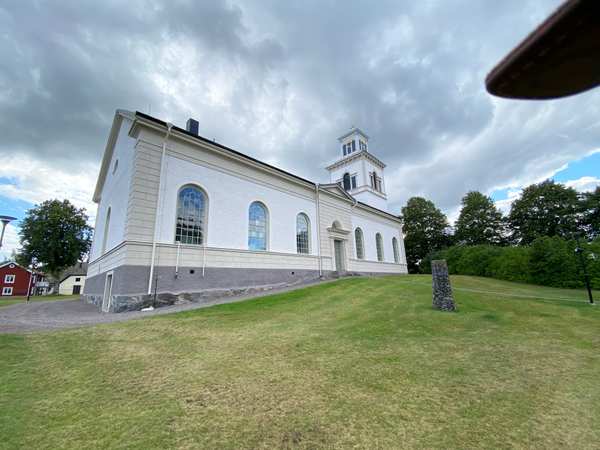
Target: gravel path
58,314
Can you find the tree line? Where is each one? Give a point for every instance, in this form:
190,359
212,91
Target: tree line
535,242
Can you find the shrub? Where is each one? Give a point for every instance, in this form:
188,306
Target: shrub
549,261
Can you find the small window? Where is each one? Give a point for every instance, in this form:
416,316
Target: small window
396,252
353,145
115,166
77,280
9,279
360,248
353,181
7,291
379,245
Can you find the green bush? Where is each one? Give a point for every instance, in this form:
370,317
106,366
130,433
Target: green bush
553,263
512,264
548,261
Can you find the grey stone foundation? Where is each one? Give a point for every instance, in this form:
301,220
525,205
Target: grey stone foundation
130,285
442,291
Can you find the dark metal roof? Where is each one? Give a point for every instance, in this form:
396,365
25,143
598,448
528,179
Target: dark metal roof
203,139
560,58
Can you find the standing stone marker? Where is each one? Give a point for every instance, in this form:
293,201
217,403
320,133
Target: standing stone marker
442,292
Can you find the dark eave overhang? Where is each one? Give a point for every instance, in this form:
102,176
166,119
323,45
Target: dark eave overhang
560,58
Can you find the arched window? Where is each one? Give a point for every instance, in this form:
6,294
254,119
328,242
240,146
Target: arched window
105,235
396,252
258,226
379,244
360,247
346,181
191,215
302,233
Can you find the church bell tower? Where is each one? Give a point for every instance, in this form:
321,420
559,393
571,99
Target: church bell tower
358,171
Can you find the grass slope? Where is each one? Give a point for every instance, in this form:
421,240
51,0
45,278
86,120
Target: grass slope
360,362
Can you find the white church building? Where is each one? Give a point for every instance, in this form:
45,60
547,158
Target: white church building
181,217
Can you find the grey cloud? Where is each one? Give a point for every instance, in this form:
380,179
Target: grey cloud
281,80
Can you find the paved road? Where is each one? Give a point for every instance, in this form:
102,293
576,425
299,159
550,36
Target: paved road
57,314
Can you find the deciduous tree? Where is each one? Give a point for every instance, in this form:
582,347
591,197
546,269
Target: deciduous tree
425,228
479,222
591,213
544,209
55,235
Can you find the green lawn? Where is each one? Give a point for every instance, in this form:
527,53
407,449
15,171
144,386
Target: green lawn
362,363
5,301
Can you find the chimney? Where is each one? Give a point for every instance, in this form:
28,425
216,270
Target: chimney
192,126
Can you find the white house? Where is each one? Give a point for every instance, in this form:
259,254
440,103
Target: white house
72,280
181,216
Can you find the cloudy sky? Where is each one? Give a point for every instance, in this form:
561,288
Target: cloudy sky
280,81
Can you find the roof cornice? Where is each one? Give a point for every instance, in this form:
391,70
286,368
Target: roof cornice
353,130
354,156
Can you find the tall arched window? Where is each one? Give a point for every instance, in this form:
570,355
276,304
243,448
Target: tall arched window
379,244
360,247
191,215
346,181
105,234
396,252
302,233
258,226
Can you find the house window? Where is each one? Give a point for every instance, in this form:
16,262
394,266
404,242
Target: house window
191,215
258,226
362,145
9,279
379,244
375,182
353,181
77,280
353,145
396,252
346,181
7,291
302,233
106,227
360,248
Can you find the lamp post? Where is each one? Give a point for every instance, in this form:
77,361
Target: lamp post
5,220
579,251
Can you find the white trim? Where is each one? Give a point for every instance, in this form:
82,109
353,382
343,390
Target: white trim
7,290
10,280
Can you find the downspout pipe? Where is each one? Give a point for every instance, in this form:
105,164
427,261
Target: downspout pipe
319,230
158,204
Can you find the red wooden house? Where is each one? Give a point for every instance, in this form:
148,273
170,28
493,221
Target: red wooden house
15,279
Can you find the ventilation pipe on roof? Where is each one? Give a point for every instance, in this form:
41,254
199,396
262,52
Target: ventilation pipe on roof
158,212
